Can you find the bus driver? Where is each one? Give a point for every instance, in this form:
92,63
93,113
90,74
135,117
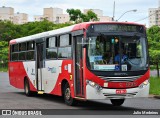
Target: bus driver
123,57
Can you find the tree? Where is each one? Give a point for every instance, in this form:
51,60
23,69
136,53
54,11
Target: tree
77,16
154,44
3,53
74,14
92,16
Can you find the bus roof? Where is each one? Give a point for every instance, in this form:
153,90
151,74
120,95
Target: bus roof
64,30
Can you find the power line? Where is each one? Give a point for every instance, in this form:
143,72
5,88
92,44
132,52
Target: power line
145,17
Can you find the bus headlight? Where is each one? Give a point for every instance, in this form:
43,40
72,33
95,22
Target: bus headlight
144,84
93,84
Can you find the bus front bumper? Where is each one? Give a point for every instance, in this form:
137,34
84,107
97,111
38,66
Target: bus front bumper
104,93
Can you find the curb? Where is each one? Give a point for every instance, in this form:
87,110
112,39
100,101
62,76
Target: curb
157,97
154,96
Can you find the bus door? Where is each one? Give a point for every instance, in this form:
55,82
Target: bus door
40,65
78,60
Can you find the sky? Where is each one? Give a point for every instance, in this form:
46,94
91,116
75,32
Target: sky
35,7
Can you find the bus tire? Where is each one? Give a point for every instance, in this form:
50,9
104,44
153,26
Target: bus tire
117,102
27,88
67,96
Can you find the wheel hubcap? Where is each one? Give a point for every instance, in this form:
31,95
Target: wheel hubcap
67,94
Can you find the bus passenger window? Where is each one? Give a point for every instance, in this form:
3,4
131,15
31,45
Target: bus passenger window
51,49
15,48
64,40
30,45
30,55
51,53
64,49
22,56
22,47
14,57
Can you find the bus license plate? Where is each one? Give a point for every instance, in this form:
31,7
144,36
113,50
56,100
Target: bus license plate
122,91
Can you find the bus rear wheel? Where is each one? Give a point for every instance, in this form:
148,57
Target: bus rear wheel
67,96
27,88
117,102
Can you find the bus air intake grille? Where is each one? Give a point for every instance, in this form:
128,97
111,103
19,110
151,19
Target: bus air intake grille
120,95
120,79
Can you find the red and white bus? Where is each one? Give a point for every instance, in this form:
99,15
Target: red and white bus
86,61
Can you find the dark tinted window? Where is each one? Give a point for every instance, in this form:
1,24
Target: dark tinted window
51,53
22,56
116,28
64,52
30,55
14,56
30,45
22,47
15,48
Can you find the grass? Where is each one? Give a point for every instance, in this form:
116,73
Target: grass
3,69
155,86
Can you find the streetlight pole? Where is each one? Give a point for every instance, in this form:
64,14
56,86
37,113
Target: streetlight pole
134,10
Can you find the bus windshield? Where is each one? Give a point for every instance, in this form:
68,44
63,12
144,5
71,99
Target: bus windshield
117,53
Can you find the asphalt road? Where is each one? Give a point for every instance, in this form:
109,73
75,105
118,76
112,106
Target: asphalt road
12,98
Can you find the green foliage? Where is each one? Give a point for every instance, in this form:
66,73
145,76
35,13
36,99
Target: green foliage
74,14
77,16
92,16
9,31
3,54
3,68
155,85
153,34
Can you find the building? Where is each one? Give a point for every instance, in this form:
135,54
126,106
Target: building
105,18
38,18
7,13
20,18
62,18
154,16
54,15
51,13
99,14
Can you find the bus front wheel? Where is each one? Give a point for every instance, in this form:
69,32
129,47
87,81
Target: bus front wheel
117,102
67,96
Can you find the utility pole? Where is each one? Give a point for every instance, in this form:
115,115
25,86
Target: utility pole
113,11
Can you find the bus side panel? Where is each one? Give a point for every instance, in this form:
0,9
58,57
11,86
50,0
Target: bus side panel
17,74
12,78
50,74
66,74
29,68
32,88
